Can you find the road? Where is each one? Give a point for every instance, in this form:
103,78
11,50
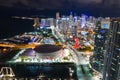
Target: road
85,71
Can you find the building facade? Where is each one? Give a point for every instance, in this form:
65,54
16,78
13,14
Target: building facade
112,56
100,38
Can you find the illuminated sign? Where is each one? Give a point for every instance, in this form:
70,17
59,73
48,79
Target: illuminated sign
105,25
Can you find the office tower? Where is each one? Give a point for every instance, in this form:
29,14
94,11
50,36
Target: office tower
101,32
83,20
57,15
36,24
112,56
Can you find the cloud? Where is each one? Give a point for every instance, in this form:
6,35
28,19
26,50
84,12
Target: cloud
56,4
89,1
31,3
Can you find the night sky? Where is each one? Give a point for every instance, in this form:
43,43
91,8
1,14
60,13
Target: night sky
99,7
55,4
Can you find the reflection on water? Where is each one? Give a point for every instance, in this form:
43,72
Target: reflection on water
56,71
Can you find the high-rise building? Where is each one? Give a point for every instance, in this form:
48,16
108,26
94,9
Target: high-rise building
57,15
101,32
112,56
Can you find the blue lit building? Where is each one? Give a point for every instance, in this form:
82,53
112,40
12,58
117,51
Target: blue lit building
100,38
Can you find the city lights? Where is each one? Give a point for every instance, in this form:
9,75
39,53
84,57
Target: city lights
66,47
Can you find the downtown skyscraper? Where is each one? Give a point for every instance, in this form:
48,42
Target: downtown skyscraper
100,38
112,56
